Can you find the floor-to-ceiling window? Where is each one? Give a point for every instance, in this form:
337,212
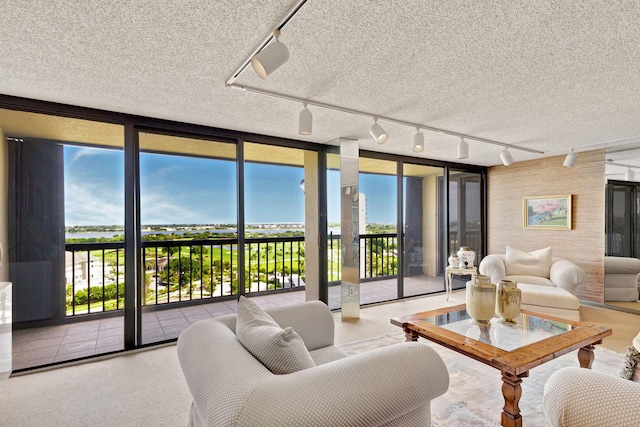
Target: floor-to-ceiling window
275,218
65,217
189,230
465,217
378,197
422,198
622,219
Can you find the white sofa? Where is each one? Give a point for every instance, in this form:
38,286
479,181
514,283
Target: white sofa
621,278
553,293
391,385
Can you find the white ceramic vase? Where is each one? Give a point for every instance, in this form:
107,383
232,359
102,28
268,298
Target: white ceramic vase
454,261
467,257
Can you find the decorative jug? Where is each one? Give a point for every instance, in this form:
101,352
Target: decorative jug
481,299
508,300
454,261
467,257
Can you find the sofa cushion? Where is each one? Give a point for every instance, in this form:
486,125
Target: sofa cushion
282,351
621,265
548,296
520,263
534,280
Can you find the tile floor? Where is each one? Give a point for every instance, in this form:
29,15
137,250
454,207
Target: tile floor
49,345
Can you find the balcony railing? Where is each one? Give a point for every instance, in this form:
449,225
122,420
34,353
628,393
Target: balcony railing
176,271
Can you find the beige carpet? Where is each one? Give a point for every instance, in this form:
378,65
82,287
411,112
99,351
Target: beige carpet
147,388
140,389
475,397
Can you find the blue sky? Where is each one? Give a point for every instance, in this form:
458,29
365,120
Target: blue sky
187,190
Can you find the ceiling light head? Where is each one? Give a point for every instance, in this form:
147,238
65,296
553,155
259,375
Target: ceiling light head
570,160
629,175
418,141
377,133
506,157
305,121
463,149
269,59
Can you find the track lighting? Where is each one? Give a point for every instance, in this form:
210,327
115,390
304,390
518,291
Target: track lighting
570,160
305,121
418,141
377,132
463,149
506,157
272,57
629,175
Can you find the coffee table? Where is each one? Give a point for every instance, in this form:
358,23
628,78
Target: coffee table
513,349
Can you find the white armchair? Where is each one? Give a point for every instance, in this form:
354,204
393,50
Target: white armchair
392,385
549,284
578,397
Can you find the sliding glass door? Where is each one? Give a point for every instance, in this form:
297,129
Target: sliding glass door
423,258
189,231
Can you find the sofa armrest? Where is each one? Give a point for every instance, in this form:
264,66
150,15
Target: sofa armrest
567,275
579,397
493,266
367,389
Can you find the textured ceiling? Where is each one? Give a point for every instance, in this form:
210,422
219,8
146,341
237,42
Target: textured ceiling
546,75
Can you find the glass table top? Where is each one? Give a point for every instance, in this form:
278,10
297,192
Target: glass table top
527,329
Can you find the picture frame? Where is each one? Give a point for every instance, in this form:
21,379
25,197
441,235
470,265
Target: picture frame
547,212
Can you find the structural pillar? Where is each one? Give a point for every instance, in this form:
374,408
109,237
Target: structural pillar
350,230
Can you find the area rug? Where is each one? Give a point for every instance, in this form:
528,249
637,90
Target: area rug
474,398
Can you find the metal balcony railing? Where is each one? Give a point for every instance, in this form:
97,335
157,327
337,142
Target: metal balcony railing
176,271
187,270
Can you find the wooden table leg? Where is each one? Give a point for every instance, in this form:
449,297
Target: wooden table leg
585,356
512,391
411,335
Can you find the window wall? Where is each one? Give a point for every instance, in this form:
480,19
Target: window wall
122,230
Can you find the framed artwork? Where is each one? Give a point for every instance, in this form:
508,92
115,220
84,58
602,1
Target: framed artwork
547,212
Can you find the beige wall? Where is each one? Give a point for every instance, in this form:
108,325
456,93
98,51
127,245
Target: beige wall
584,243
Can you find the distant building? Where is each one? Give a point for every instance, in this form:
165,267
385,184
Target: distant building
84,271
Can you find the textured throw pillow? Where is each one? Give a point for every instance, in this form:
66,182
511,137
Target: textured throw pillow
520,263
282,351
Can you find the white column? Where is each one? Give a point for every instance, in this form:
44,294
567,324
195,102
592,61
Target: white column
350,230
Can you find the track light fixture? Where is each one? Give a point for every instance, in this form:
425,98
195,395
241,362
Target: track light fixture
377,133
570,160
305,121
418,141
629,175
506,157
272,57
463,149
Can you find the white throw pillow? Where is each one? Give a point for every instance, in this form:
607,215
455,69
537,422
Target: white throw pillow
520,263
282,351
